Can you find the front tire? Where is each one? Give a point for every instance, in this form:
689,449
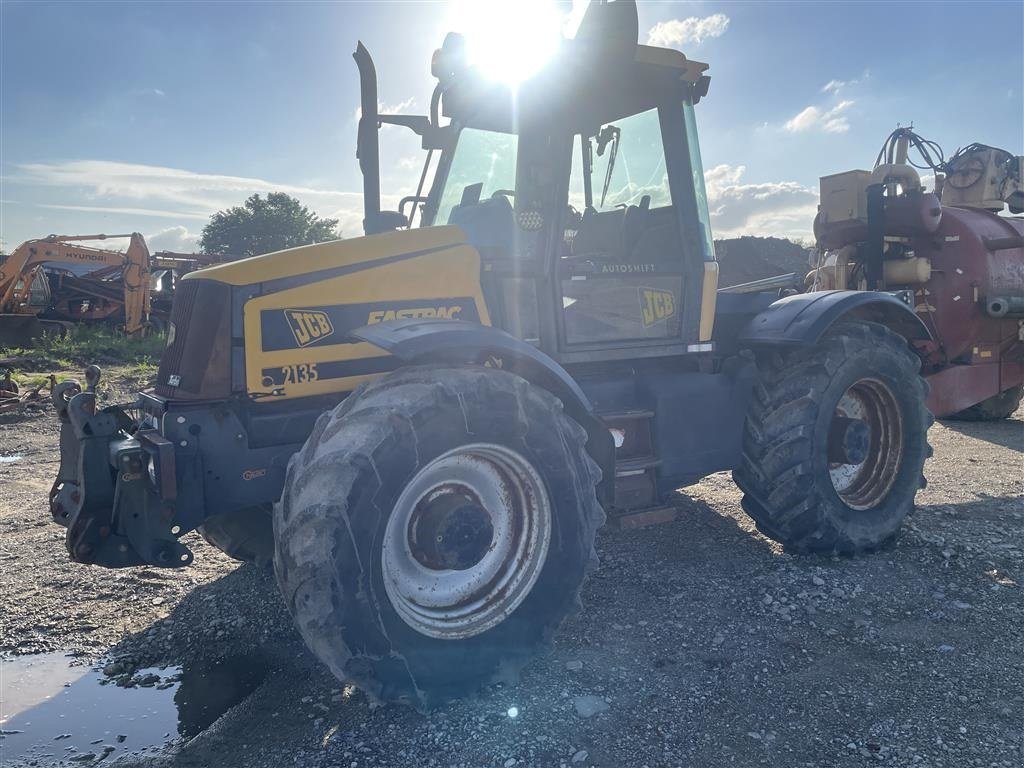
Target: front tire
435,530
835,441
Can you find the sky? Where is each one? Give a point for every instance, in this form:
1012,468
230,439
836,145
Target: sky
150,116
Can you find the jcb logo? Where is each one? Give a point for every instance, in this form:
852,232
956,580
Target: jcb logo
308,326
656,305
450,312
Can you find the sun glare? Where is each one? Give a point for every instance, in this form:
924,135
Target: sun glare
508,41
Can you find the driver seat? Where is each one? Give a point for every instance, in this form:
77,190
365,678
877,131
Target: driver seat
612,234
490,225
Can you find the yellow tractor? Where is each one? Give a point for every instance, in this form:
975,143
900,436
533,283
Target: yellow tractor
424,428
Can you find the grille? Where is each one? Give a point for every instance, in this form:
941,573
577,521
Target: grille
196,363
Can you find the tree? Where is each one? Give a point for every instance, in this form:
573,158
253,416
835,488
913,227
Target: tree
261,225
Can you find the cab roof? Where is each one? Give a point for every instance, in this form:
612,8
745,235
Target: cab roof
585,86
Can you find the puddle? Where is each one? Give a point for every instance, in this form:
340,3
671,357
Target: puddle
51,710
10,459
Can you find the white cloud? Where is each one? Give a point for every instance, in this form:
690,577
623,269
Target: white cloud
177,239
835,86
389,109
127,211
804,120
781,208
815,118
150,190
834,121
130,189
695,29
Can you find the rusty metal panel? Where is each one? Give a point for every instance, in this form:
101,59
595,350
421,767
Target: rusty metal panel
960,386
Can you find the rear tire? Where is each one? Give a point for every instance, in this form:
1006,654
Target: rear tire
246,535
855,395
394,497
997,407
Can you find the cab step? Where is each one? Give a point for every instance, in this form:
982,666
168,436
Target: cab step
636,502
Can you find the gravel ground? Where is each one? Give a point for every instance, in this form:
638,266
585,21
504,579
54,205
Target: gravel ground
701,642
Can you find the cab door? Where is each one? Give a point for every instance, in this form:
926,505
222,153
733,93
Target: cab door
631,268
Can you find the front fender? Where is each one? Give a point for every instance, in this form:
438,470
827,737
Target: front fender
802,319
419,341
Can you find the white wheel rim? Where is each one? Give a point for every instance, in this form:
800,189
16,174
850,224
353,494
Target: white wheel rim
466,541
865,485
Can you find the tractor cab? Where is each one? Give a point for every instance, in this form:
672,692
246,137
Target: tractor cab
582,190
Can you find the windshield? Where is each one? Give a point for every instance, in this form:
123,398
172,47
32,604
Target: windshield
481,157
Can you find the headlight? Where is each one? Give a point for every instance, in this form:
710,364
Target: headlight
151,469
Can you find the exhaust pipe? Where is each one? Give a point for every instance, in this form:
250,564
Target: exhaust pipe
367,142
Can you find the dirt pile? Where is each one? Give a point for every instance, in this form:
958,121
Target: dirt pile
743,259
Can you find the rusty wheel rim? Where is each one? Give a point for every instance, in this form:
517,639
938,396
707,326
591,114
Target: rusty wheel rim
466,541
863,485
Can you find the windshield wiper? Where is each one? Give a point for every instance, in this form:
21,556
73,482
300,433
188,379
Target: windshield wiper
588,171
609,133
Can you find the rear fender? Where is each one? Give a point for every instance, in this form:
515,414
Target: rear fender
419,341
802,319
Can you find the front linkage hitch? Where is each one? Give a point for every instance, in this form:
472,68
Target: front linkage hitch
116,487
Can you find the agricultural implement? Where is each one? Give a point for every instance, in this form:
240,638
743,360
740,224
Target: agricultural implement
951,250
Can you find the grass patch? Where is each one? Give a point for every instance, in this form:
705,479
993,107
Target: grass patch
86,345
138,375
26,381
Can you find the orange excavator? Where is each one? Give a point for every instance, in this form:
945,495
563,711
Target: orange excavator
50,284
